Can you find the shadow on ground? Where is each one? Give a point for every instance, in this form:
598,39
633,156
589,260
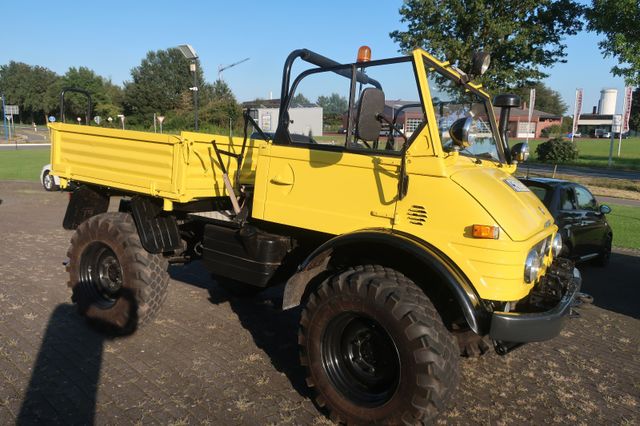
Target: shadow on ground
273,330
64,381
619,294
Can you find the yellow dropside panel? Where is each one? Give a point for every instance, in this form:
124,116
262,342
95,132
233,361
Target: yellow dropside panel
176,168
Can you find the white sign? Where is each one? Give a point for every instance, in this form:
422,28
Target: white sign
160,118
11,110
97,119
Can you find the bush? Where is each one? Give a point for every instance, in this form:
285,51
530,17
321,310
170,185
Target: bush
550,131
557,150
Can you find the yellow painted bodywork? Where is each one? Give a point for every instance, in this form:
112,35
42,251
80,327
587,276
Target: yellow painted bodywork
334,191
176,168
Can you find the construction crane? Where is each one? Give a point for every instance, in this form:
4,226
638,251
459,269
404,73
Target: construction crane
222,68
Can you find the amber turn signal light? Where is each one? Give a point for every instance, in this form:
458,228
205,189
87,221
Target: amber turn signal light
364,54
486,231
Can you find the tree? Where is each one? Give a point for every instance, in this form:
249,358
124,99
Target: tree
104,94
333,104
618,21
300,99
523,36
161,84
547,100
29,87
221,90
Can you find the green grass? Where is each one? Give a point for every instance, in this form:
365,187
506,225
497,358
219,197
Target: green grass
23,164
625,222
595,152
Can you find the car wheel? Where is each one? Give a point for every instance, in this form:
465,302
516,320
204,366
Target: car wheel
605,255
117,285
48,182
376,349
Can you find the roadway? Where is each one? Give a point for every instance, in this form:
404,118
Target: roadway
579,171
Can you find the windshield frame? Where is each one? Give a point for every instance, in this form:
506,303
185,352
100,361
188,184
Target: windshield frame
422,61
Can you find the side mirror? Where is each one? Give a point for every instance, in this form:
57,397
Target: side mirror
480,63
459,132
370,105
520,152
605,209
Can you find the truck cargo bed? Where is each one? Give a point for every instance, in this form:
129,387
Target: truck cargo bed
178,168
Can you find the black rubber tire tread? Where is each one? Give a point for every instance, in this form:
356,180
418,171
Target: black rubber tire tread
429,353
472,345
145,275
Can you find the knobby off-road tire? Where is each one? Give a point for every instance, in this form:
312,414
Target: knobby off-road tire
116,284
376,350
472,345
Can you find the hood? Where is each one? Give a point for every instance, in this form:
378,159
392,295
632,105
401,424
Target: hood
514,207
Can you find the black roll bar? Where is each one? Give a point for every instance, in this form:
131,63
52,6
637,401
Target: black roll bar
76,90
322,62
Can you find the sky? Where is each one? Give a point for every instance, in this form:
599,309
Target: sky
113,37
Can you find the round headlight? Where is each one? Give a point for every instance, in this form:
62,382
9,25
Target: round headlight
531,266
556,246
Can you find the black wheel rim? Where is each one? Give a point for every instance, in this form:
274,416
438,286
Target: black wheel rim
101,274
360,359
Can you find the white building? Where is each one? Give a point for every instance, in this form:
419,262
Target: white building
304,119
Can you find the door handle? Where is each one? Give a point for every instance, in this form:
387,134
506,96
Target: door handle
279,180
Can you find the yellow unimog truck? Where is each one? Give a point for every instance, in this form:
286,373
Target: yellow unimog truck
406,239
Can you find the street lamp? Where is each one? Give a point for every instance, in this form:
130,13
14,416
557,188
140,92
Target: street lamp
190,54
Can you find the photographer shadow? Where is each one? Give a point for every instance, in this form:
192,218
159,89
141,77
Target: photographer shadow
64,382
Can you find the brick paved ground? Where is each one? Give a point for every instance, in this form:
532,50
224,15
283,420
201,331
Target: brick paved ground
212,359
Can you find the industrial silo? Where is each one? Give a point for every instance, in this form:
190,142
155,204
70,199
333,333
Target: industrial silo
607,103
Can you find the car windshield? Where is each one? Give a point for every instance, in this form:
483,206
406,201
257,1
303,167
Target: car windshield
452,101
540,191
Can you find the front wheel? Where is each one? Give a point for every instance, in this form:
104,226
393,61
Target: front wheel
605,254
376,350
116,284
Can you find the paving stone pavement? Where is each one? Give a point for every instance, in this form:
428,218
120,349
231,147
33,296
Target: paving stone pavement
209,358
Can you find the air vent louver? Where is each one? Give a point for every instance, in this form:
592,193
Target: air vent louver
417,215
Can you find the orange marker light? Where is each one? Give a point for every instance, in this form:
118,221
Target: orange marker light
486,231
364,54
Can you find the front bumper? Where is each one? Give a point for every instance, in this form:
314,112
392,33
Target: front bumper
517,327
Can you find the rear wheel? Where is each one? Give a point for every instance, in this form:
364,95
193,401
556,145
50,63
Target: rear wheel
376,350
116,284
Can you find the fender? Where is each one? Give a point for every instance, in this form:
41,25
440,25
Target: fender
470,303
84,202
